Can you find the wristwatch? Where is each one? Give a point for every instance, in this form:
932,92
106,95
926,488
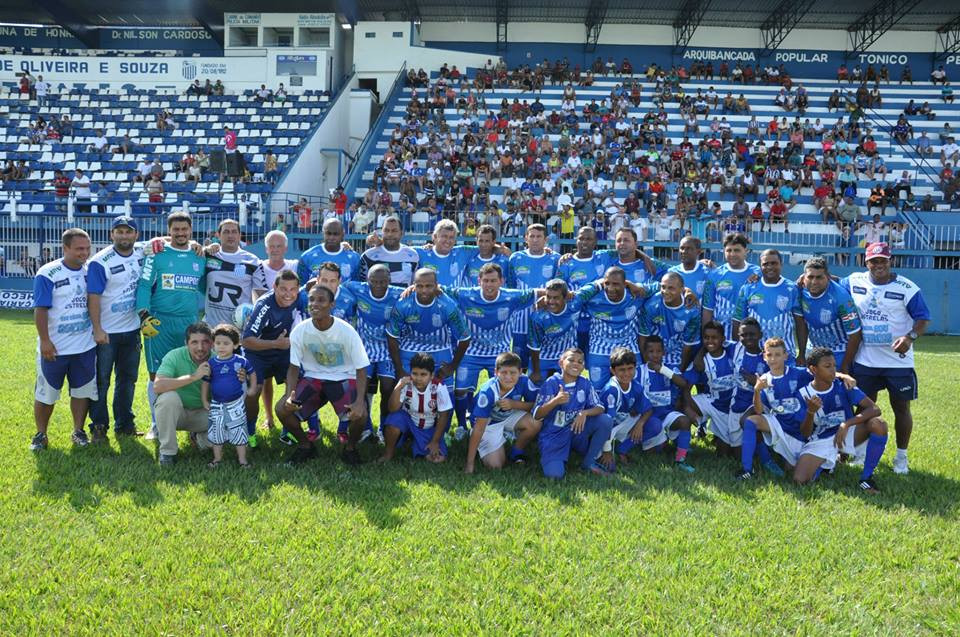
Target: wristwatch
913,335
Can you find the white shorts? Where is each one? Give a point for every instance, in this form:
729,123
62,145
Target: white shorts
790,449
851,449
723,424
621,431
494,435
666,433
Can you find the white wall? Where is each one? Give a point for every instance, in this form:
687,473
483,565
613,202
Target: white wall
315,171
361,106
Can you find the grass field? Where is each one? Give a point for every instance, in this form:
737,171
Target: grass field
102,540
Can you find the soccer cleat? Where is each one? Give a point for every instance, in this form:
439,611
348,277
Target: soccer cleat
520,458
152,433
701,431
743,476
380,439
460,433
773,468
351,457
252,441
301,454
166,460
79,438
366,435
38,442
868,486
98,433
900,465
683,466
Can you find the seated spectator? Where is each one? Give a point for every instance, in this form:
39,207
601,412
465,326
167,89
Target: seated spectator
842,73
263,94
848,212
946,92
938,75
270,167
281,94
99,143
924,145
949,152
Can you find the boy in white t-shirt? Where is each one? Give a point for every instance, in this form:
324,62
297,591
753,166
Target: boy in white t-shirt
420,408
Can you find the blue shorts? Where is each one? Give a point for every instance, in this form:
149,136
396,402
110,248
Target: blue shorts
468,373
520,349
548,367
80,371
381,368
900,382
439,358
420,438
274,367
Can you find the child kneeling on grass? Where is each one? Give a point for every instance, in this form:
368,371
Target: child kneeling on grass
502,408
572,418
222,394
419,407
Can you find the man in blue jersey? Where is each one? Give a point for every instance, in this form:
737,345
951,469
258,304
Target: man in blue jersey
666,315
722,287
430,322
330,276
332,250
401,259
488,251
830,314
529,269
693,271
449,260
112,276
894,315
553,329
585,266
639,267
774,302
266,336
66,346
487,310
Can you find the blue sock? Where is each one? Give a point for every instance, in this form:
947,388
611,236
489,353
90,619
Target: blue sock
763,450
251,428
460,406
514,452
749,445
875,447
683,439
625,446
313,422
816,474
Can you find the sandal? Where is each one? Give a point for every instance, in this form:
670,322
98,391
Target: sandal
213,464
246,465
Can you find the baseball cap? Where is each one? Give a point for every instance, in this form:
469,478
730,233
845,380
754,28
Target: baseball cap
877,250
125,220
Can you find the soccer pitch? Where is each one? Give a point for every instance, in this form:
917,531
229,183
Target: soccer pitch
103,540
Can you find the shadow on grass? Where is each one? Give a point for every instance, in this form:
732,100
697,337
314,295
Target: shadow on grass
382,491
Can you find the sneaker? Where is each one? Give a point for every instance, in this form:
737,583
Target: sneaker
743,476
79,438
773,468
301,455
287,438
900,465
460,433
366,435
252,441
151,433
351,457
380,439
38,442
683,466
868,486
520,458
166,460
127,431
98,433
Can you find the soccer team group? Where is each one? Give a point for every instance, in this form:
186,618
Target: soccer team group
597,352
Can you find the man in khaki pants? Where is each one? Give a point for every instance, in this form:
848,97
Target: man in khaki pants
177,385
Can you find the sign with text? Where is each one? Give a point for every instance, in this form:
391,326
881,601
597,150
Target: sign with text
16,299
189,39
296,65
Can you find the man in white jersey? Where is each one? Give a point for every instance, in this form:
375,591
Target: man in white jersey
66,346
276,245
401,259
230,276
893,315
112,276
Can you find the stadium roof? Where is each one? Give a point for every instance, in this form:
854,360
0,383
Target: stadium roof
823,14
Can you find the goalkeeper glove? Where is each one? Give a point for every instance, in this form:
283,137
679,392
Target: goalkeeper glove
148,326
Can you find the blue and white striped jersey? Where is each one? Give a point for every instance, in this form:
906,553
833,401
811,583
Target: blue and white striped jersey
448,267
311,260
436,327
579,272
373,314
679,327
471,274
782,399
838,404
745,363
659,390
344,303
831,317
695,279
527,272
551,334
613,324
722,289
621,404
719,375
489,321
485,405
773,305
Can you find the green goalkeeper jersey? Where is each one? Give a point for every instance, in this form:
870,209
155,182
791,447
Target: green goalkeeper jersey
172,282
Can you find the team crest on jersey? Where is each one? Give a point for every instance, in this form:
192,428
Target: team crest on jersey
346,271
826,315
166,281
783,302
547,271
196,267
436,320
581,395
482,400
503,314
678,325
630,312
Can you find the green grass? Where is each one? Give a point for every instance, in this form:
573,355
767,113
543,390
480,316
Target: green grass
102,540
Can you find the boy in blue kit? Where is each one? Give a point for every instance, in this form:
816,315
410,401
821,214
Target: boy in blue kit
572,417
623,400
663,388
715,370
838,420
420,408
502,407
223,395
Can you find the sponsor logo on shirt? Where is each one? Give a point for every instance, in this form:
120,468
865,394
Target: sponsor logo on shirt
170,281
117,269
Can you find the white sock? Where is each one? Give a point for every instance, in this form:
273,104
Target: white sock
901,453
151,398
